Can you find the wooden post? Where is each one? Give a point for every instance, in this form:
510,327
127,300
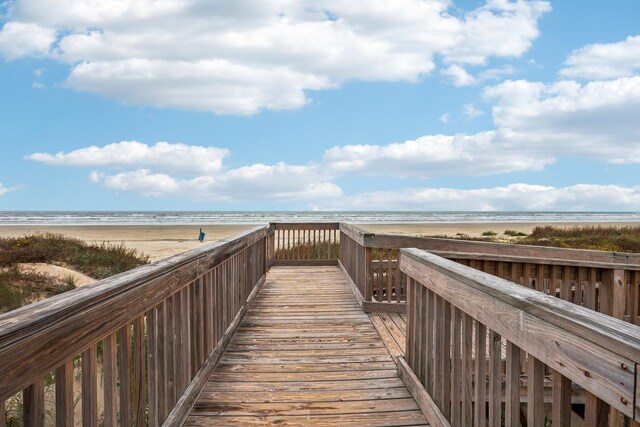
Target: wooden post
561,416
64,395
612,293
33,401
512,386
89,388
368,278
613,303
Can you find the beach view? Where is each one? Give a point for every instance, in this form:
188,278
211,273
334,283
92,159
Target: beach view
419,212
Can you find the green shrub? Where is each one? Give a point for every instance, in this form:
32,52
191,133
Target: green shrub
514,233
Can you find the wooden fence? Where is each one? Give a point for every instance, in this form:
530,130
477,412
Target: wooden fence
607,282
477,347
305,243
144,341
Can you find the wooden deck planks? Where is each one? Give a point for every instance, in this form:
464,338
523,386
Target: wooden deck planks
392,328
304,354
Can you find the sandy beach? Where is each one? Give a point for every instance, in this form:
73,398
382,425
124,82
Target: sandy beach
161,241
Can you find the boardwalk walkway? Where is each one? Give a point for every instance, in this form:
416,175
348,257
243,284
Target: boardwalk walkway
306,354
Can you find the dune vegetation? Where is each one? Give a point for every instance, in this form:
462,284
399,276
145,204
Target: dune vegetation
20,286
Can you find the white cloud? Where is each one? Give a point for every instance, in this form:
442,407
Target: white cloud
605,61
496,73
445,118
18,39
500,28
510,197
181,171
248,55
471,112
597,120
434,155
459,76
163,156
277,182
536,123
3,189
197,85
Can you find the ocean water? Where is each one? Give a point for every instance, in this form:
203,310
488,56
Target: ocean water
248,217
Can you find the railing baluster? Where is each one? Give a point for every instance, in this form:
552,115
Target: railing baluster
480,383
512,386
89,388
495,382
456,366
561,416
596,412
33,404
163,404
429,337
124,358
152,364
139,371
634,295
467,370
64,395
445,350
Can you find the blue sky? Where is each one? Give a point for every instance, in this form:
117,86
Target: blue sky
416,105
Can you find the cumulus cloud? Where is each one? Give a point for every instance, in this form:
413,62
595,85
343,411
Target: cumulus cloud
18,39
499,28
180,171
279,182
250,55
434,155
604,61
536,123
510,197
162,156
597,119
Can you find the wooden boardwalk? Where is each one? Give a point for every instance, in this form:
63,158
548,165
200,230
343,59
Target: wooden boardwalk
304,354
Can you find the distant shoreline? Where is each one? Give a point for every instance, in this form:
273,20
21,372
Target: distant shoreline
163,240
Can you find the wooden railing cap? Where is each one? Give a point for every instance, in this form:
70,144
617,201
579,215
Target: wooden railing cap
122,281
599,328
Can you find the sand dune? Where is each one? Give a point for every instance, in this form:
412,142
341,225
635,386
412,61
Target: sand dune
59,272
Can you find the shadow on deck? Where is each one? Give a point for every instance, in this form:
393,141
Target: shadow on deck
306,353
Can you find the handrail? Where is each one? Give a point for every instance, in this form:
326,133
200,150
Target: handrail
595,351
603,281
455,247
178,293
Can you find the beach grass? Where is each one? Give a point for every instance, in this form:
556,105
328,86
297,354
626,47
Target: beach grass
20,286
602,238
97,261
610,238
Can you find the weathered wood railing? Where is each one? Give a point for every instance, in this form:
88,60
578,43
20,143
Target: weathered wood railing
607,282
306,243
141,343
459,316
372,268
